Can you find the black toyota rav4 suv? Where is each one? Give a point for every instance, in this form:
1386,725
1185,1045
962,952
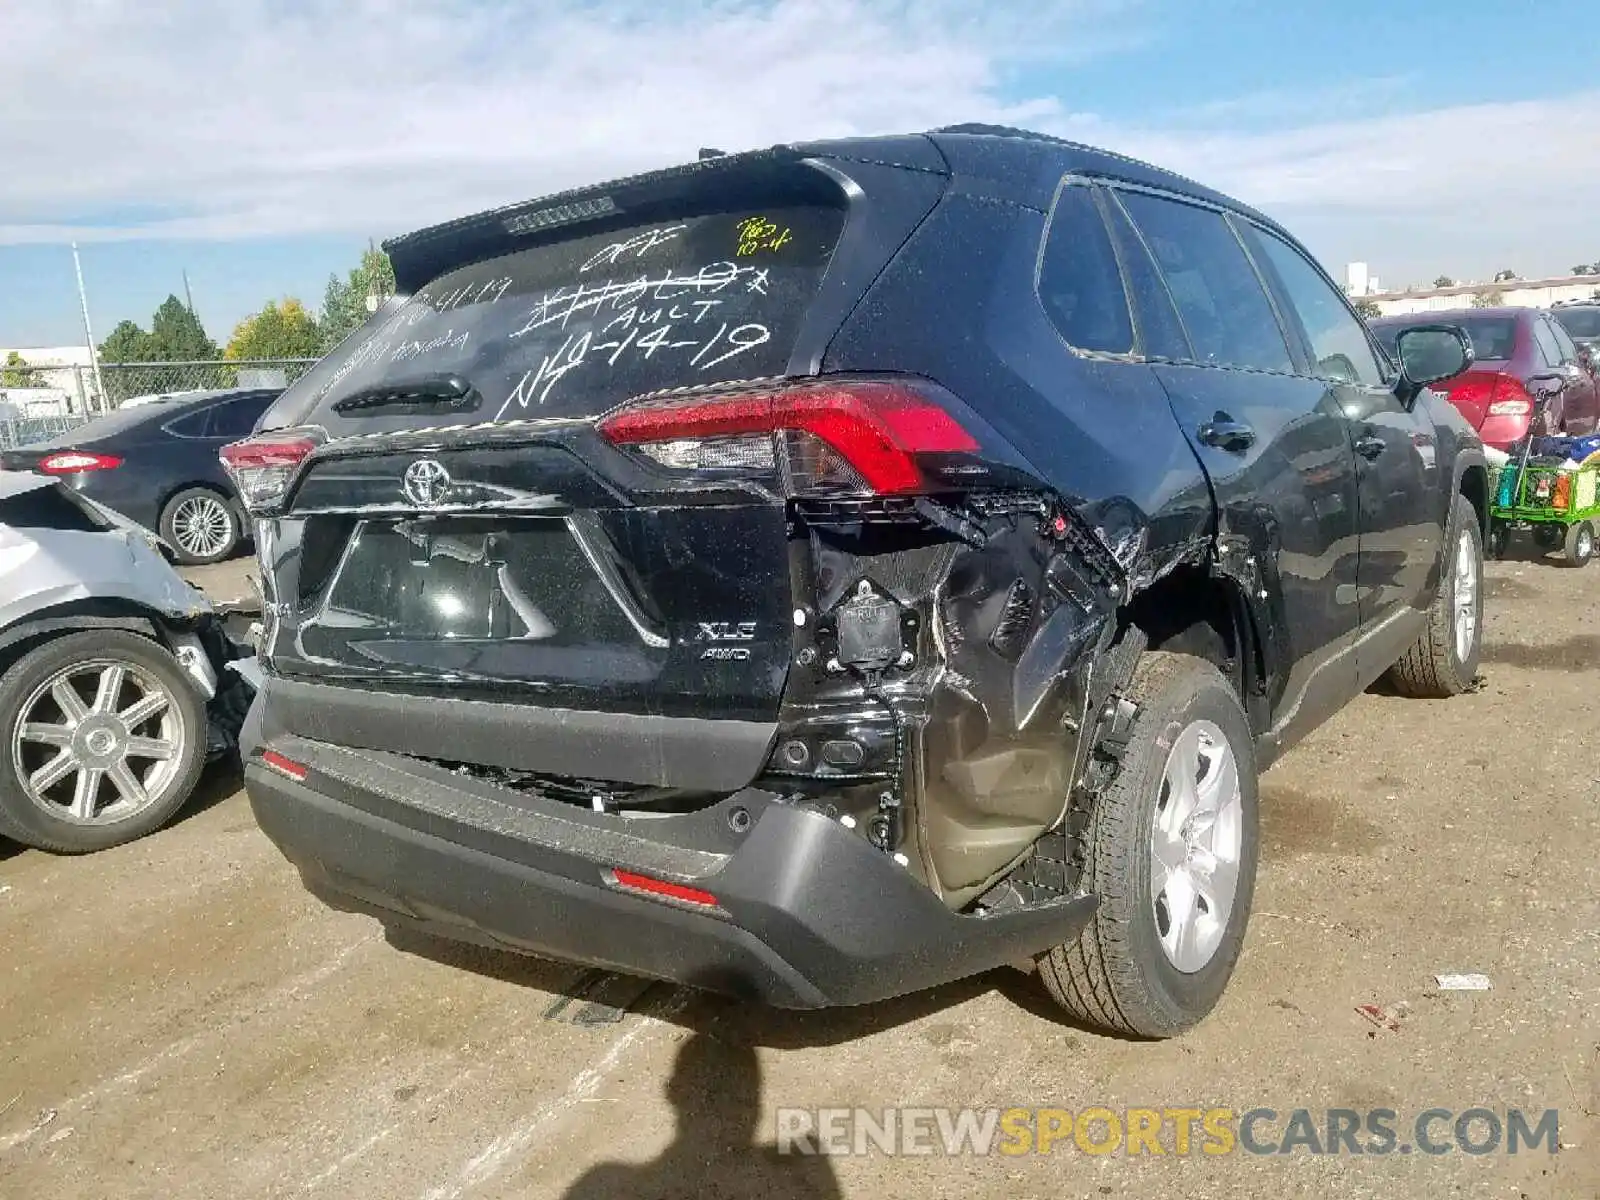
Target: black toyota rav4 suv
820,573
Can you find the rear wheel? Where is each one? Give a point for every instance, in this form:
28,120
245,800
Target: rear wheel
1580,544
102,738
1171,853
1443,661
200,525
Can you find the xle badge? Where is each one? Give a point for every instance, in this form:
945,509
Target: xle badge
723,632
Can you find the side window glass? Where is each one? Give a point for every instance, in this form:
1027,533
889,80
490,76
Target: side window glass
1079,283
1569,348
1338,340
1224,309
192,426
237,418
1161,334
1548,350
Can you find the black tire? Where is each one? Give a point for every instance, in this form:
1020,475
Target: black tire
1579,548
28,822
1434,668
1116,974
1547,535
222,515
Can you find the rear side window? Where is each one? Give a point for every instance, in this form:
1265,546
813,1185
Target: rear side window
575,327
1569,348
194,425
1226,313
1546,341
1338,342
1160,332
237,418
1079,284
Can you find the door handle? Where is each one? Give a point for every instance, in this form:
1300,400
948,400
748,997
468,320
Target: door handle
1370,446
1224,433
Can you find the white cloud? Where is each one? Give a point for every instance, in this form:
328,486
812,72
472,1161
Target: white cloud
194,119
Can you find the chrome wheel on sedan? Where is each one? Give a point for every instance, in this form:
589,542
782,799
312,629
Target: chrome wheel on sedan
103,735
98,743
201,525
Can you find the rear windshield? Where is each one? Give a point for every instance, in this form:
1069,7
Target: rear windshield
1579,322
576,327
1493,338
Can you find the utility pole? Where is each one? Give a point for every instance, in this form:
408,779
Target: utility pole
88,332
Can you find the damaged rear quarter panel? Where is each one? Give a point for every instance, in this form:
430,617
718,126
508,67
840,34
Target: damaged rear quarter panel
45,568
1013,627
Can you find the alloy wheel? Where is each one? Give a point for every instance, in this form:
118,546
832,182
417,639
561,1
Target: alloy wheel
202,526
1196,841
98,742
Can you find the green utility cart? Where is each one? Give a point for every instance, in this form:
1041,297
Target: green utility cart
1559,506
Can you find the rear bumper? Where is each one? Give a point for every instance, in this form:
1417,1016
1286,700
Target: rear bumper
809,915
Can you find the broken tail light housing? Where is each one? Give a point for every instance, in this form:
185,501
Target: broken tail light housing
264,467
72,462
835,438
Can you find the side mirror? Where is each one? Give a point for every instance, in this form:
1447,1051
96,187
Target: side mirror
1429,354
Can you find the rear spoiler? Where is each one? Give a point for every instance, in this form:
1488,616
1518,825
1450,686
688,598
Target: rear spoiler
423,256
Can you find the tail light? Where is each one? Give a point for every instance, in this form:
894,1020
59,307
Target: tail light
856,438
263,467
1509,398
71,462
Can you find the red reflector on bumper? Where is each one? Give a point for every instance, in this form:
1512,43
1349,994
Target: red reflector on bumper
282,765
660,887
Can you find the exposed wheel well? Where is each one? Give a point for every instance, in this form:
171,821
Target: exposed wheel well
1475,487
42,626
1191,611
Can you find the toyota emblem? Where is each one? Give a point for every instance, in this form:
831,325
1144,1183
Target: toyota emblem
426,482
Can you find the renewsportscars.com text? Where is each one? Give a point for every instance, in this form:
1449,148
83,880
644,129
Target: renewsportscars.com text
955,1132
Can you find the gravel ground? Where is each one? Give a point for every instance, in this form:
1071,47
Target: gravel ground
181,1020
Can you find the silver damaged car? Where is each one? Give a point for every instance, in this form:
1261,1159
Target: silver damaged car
114,682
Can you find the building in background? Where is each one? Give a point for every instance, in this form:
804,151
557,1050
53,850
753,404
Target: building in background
1516,293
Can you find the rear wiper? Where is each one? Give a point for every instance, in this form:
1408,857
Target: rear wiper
435,394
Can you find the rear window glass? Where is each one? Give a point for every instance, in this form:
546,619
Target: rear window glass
576,327
1079,283
1225,312
1493,338
1580,322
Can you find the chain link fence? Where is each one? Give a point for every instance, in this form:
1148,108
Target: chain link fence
37,403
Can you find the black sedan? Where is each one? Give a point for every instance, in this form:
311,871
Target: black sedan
156,463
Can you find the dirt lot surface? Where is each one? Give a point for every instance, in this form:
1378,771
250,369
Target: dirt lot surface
179,1019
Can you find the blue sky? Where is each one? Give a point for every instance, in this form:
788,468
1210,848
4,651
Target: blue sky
260,144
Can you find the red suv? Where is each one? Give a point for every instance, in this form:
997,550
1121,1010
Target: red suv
1519,353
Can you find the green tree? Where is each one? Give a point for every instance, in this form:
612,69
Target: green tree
1583,269
1505,276
18,374
176,334
1367,309
1489,298
126,343
344,303
283,330
1444,281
